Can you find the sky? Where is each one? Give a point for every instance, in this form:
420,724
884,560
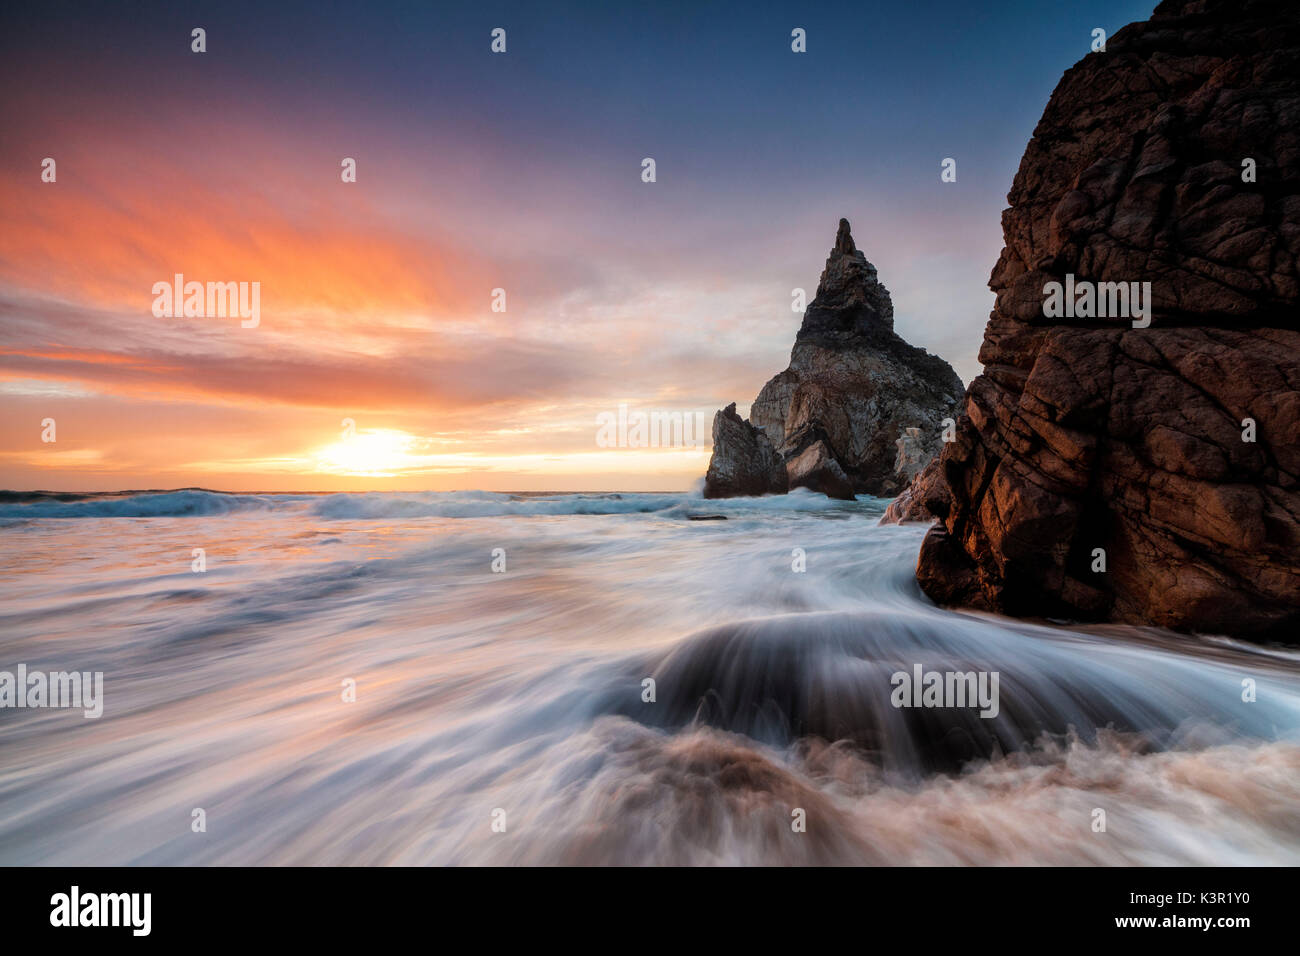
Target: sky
378,361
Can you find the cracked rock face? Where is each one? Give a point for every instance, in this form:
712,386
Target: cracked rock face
1171,451
852,389
743,461
913,455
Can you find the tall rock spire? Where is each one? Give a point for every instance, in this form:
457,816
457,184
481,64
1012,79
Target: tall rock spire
853,389
844,239
850,298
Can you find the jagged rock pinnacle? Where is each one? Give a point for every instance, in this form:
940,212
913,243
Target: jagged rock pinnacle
850,298
832,419
844,239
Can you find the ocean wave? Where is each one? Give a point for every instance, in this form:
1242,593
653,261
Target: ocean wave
156,504
485,504
194,502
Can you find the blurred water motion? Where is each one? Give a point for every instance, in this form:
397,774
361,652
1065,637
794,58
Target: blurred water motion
523,691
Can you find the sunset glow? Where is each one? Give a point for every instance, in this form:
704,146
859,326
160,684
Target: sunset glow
377,299
377,454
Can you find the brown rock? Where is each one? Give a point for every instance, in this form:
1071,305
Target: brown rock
1087,434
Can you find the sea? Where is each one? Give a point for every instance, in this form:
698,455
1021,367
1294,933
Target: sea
479,678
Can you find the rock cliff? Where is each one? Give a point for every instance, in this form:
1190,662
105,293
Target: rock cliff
1112,470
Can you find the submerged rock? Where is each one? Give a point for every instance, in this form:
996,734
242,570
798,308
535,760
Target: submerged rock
852,389
836,676
1143,474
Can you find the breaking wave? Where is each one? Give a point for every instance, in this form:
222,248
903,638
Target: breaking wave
150,504
386,505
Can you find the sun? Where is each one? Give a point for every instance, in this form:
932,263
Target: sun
376,452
